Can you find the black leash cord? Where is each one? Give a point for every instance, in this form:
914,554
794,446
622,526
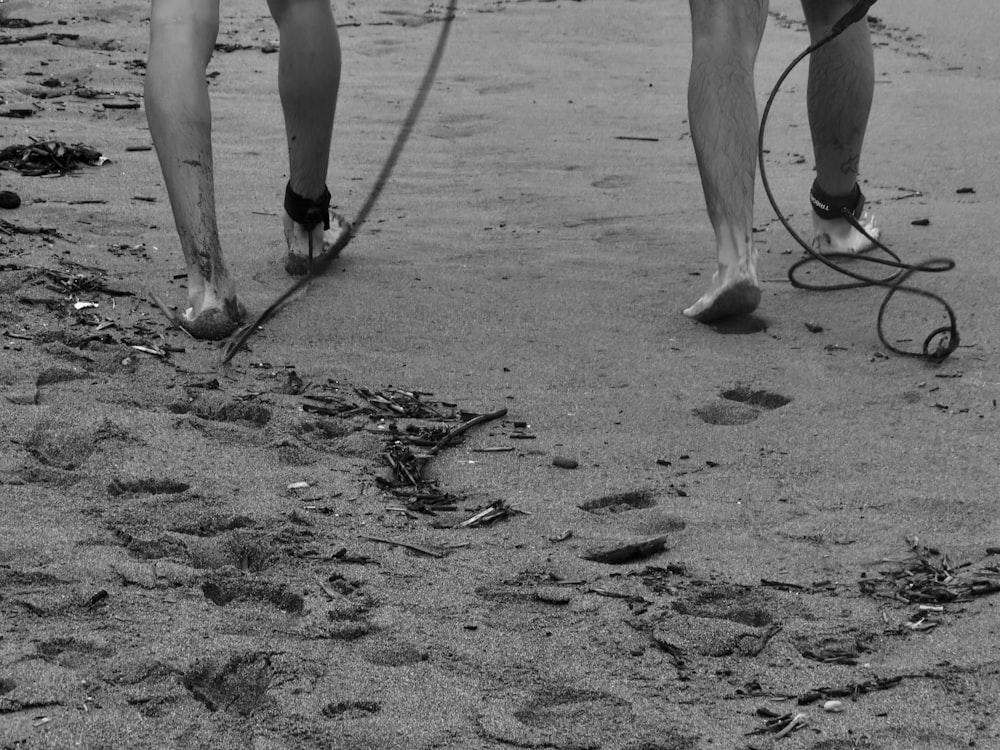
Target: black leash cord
946,337
320,264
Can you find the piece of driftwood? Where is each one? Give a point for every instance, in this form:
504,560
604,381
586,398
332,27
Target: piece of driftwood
623,553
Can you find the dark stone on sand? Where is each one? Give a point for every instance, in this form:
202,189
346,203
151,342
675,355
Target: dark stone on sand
9,199
617,554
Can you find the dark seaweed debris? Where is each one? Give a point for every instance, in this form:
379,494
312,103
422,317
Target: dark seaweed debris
42,158
929,577
337,401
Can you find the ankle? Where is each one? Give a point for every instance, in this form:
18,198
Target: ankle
830,207
308,212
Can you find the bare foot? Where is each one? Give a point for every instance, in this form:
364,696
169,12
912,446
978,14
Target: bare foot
735,293
840,236
327,241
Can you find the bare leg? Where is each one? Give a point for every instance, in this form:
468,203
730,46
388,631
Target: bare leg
841,82
308,82
722,109
182,37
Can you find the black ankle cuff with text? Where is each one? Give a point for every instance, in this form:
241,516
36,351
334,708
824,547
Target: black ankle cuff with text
829,206
307,212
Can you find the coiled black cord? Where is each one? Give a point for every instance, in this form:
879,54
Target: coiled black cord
941,342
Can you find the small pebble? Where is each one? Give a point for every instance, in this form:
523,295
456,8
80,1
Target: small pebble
9,199
565,463
833,707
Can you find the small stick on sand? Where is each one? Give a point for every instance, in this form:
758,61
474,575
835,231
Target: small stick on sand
171,315
414,547
465,426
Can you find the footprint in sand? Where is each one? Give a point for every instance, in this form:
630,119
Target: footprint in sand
220,408
224,591
563,716
740,405
384,654
239,684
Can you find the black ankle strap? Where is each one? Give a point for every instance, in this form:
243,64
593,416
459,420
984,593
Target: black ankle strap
829,206
309,213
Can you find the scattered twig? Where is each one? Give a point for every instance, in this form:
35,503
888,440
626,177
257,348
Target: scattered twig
326,589
493,512
9,22
149,350
929,577
780,725
465,426
633,598
407,545
848,691
170,314
797,722
54,38
832,656
763,640
10,228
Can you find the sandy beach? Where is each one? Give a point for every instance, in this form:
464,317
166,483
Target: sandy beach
661,535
